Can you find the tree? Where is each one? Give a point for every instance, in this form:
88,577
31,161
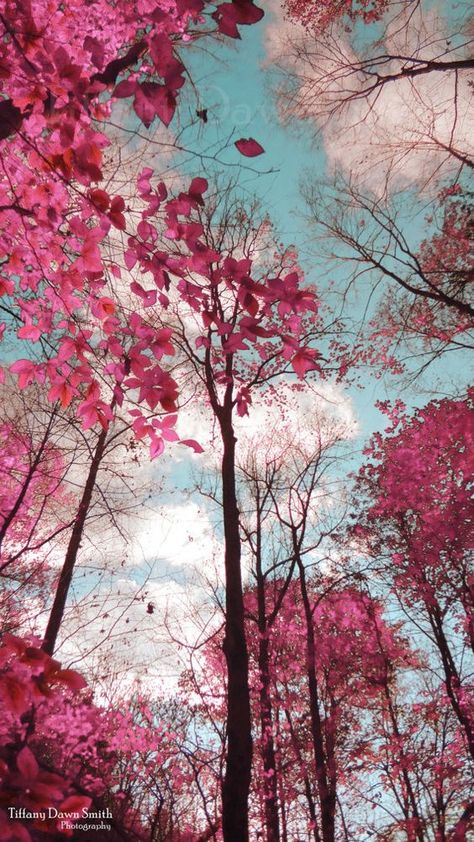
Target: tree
399,96
62,754
367,708
387,101
283,493
236,330
425,306
417,501
33,469
55,221
28,678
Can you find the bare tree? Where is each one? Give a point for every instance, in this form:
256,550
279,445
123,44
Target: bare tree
391,107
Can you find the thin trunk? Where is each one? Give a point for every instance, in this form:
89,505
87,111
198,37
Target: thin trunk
65,578
410,805
326,785
284,822
272,820
9,518
307,783
408,794
453,682
236,784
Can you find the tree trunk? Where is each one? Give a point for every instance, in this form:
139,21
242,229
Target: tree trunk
326,782
236,784
452,680
65,578
269,761
409,801
307,783
270,790
9,518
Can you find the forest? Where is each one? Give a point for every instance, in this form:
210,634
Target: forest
237,425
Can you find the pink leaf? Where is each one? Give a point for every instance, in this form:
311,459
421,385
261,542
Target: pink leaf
249,147
143,181
26,764
156,446
15,695
125,89
230,15
193,444
91,257
100,199
26,371
153,100
116,216
130,259
70,678
75,804
147,295
32,332
303,361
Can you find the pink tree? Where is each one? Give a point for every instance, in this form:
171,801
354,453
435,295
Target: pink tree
55,217
62,752
58,284
58,65
29,679
416,494
238,326
358,659
55,281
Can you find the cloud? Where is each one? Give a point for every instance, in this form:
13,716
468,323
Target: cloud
144,599
408,131
288,405
178,536
279,33
130,631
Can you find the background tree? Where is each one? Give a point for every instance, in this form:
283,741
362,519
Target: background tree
416,497
422,517
394,221
422,290
420,65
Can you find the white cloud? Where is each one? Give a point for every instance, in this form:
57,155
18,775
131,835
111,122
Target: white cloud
293,406
181,535
129,631
401,133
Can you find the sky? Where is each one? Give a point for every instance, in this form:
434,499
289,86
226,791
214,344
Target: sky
171,545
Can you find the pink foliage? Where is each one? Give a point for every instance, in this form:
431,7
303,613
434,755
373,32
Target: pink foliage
419,481
61,751
61,71
417,497
320,14
247,323
31,682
